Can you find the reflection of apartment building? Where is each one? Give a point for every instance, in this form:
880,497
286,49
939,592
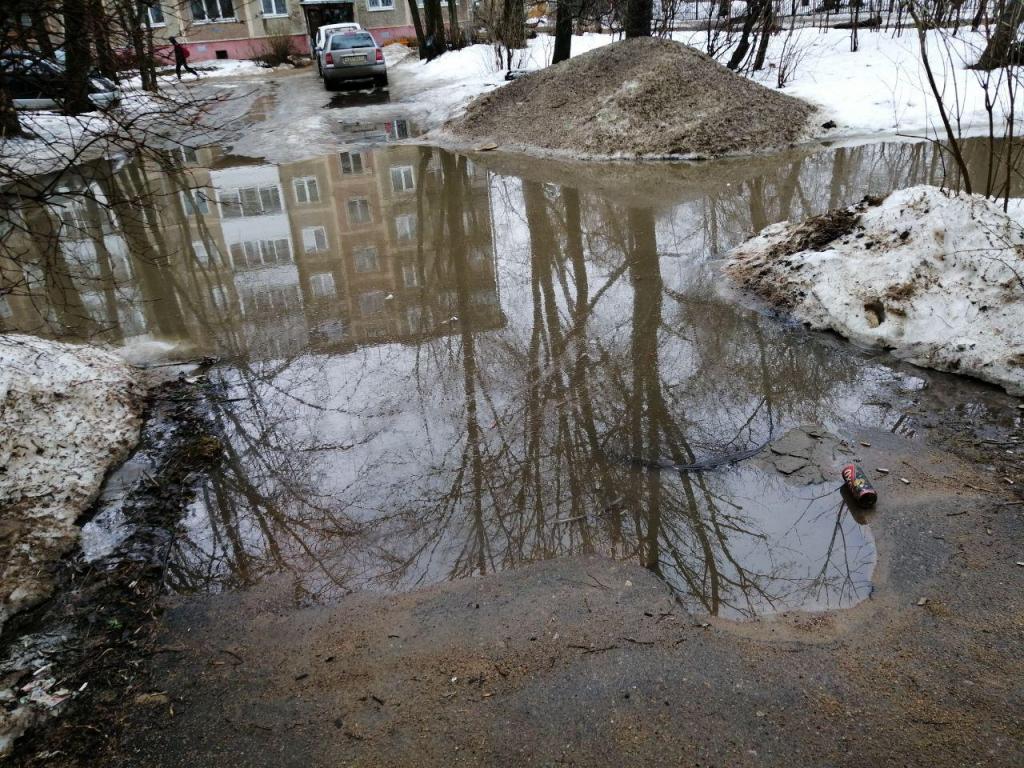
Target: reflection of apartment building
238,29
241,257
330,253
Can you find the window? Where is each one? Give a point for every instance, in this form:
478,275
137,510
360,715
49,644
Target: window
396,129
274,7
411,275
346,41
405,226
212,10
250,201
314,239
154,11
195,201
351,162
380,5
220,298
414,318
322,285
359,211
261,253
371,303
365,259
306,189
199,249
402,178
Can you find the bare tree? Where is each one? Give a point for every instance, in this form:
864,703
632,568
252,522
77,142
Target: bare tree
639,16
1000,46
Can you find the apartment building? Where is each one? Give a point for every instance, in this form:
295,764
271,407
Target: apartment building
239,29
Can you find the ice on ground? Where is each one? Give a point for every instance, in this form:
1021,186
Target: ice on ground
67,414
935,276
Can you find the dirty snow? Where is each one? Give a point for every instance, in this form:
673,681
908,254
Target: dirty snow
935,276
69,413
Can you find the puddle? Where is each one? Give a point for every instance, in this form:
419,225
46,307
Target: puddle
358,95
432,370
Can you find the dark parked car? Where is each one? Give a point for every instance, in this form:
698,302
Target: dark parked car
33,82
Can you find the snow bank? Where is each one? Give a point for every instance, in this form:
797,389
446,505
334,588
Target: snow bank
440,89
881,89
67,414
937,277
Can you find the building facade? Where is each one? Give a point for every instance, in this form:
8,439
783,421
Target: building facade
241,29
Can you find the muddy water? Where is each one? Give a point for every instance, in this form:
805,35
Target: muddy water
435,367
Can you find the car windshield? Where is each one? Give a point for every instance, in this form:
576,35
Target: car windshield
341,42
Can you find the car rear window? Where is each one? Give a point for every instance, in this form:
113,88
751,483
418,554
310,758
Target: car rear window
341,42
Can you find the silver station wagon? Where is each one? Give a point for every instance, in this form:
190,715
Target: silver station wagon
352,55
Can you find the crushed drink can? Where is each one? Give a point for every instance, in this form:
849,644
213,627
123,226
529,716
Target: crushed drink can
858,487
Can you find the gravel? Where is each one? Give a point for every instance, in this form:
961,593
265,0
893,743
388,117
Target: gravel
643,97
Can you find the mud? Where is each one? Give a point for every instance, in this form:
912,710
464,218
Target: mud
583,661
69,666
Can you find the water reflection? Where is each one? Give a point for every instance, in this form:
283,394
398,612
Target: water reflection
432,371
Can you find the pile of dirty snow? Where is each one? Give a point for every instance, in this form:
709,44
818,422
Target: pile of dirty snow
935,276
643,97
67,414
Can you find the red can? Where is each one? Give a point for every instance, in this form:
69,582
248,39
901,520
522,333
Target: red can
858,486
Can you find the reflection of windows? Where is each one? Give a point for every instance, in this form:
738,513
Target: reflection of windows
414,318
380,5
405,226
274,7
332,330
188,155
219,297
351,162
322,285
371,303
250,201
195,201
402,178
211,10
396,129
199,249
306,189
314,239
156,13
365,259
267,298
411,275
5,308
359,211
260,253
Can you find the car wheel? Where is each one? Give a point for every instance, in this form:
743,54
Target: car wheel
330,85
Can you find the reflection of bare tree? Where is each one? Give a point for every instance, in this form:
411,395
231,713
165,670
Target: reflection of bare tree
469,445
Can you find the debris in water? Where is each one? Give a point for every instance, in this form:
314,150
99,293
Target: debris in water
923,601
858,486
904,481
882,470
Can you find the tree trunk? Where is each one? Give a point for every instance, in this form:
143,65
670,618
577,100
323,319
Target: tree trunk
980,15
754,10
454,32
78,60
638,18
563,32
99,29
1000,46
417,24
435,29
42,34
724,6
768,16
9,124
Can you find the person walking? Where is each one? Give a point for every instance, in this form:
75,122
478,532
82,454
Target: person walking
181,54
